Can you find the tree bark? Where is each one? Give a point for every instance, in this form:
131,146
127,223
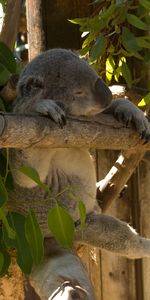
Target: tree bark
102,131
35,27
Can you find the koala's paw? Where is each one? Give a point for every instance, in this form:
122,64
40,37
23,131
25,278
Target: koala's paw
55,110
128,113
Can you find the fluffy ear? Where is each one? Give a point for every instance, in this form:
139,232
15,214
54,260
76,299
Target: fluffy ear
29,86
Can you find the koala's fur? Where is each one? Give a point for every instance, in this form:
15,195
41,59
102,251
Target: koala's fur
58,83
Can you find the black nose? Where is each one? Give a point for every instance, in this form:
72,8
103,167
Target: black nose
102,93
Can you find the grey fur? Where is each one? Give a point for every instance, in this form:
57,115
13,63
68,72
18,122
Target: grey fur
57,83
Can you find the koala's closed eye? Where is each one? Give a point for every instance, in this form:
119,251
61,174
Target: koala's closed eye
79,93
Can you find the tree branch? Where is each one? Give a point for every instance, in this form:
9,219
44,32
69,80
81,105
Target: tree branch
109,188
102,131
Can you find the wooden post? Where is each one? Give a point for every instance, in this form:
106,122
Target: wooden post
117,273
11,22
35,27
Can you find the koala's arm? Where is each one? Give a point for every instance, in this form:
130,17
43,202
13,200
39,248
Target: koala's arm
125,111
31,99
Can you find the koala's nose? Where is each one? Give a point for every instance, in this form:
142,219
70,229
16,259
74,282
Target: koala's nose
102,93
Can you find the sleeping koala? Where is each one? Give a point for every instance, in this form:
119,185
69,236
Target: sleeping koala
58,83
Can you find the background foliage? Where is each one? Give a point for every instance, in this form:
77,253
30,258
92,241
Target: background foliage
117,31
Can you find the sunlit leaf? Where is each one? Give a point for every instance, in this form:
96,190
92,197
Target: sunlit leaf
61,225
34,237
145,100
110,66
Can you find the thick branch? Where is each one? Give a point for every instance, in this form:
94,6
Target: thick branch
102,131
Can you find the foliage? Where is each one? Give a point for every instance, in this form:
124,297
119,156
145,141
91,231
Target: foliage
116,32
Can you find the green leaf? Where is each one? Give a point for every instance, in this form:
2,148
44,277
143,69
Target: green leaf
145,100
2,106
1,261
126,74
6,261
24,258
98,48
4,74
129,41
10,232
82,210
3,193
110,66
61,225
34,237
33,174
108,13
136,22
6,257
145,3
143,42
7,58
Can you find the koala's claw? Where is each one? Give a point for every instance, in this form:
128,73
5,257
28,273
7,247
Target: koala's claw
53,110
126,112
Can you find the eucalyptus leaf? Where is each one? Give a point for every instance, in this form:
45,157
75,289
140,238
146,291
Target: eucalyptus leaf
126,74
7,58
143,42
98,48
1,261
6,261
136,22
145,100
6,257
145,3
33,174
3,193
129,40
24,258
61,225
34,237
4,74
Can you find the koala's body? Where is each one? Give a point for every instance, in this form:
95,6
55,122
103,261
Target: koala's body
58,83
55,84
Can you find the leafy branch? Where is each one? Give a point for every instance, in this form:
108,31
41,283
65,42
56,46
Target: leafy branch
114,34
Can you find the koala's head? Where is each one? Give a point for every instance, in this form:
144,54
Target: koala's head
70,79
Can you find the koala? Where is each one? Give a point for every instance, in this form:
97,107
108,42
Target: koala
57,83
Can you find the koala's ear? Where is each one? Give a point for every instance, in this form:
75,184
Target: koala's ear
29,86
102,91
